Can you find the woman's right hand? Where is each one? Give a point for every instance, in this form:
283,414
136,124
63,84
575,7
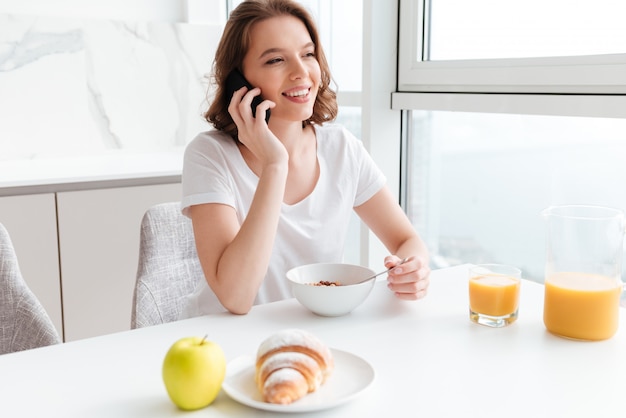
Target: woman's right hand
253,132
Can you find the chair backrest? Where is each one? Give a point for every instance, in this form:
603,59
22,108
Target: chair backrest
24,323
169,268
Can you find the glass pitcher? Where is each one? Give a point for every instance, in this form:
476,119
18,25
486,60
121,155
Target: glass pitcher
583,271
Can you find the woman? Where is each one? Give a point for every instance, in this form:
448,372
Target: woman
266,196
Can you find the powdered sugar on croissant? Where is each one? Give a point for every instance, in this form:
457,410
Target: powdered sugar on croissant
290,364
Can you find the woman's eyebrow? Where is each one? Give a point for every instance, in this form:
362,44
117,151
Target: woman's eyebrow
270,52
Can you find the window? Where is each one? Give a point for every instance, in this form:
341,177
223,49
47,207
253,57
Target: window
493,29
479,181
503,121
554,46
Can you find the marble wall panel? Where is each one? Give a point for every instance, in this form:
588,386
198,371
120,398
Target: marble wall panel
83,86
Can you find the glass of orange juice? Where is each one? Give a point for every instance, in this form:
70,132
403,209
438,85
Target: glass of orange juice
494,294
583,271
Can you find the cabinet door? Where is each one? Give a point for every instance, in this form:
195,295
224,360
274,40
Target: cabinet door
31,222
99,250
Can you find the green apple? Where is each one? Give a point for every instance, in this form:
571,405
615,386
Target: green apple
193,372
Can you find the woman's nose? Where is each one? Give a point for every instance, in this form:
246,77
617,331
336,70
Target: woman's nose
298,70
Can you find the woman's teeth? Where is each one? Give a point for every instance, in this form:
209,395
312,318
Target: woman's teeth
297,93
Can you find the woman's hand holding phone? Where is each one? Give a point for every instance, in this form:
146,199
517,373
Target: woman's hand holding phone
236,81
254,134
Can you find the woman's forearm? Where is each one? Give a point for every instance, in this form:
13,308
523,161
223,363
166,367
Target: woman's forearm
244,262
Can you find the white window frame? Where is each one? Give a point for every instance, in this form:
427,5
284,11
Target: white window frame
593,85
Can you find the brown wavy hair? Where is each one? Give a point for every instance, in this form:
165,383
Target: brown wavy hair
234,45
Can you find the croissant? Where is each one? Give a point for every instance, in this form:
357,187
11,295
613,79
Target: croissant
290,364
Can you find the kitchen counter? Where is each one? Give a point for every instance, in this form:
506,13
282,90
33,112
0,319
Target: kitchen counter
103,170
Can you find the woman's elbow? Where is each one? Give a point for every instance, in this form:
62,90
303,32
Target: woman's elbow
237,306
238,310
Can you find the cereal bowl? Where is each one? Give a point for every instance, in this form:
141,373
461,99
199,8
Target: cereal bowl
329,289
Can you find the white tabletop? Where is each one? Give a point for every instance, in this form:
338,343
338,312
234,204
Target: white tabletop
429,359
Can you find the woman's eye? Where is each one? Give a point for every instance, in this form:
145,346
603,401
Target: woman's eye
274,60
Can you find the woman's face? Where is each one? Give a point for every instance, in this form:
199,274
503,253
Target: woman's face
281,61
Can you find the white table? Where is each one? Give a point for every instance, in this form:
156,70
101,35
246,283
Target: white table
430,361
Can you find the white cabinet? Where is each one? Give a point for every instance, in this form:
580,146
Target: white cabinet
78,251
75,224
32,225
99,249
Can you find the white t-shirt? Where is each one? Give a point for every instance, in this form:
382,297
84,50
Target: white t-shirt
310,231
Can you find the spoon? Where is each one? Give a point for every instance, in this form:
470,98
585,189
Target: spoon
404,260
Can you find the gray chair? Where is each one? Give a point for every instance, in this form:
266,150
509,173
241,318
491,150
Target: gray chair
168,269
24,323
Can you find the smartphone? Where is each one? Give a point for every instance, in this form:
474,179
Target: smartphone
234,82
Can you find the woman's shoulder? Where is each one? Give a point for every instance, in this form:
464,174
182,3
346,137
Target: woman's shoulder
336,134
332,130
213,137
211,141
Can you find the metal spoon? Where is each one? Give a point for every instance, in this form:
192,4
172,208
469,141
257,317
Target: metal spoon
404,260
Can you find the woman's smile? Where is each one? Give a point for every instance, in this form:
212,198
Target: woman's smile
298,94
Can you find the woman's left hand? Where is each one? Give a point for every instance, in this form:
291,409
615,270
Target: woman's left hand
410,280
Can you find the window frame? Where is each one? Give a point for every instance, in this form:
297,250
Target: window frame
593,85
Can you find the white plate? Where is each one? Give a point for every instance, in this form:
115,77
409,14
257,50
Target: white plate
351,376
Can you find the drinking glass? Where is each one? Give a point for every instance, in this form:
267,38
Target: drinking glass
494,294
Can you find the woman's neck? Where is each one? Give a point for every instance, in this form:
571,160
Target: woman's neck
292,135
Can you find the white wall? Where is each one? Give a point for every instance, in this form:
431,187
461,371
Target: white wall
132,79
201,11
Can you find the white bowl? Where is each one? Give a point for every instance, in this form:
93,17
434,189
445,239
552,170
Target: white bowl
331,300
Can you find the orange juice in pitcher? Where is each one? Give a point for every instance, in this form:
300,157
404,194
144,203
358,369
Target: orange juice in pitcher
583,271
582,306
